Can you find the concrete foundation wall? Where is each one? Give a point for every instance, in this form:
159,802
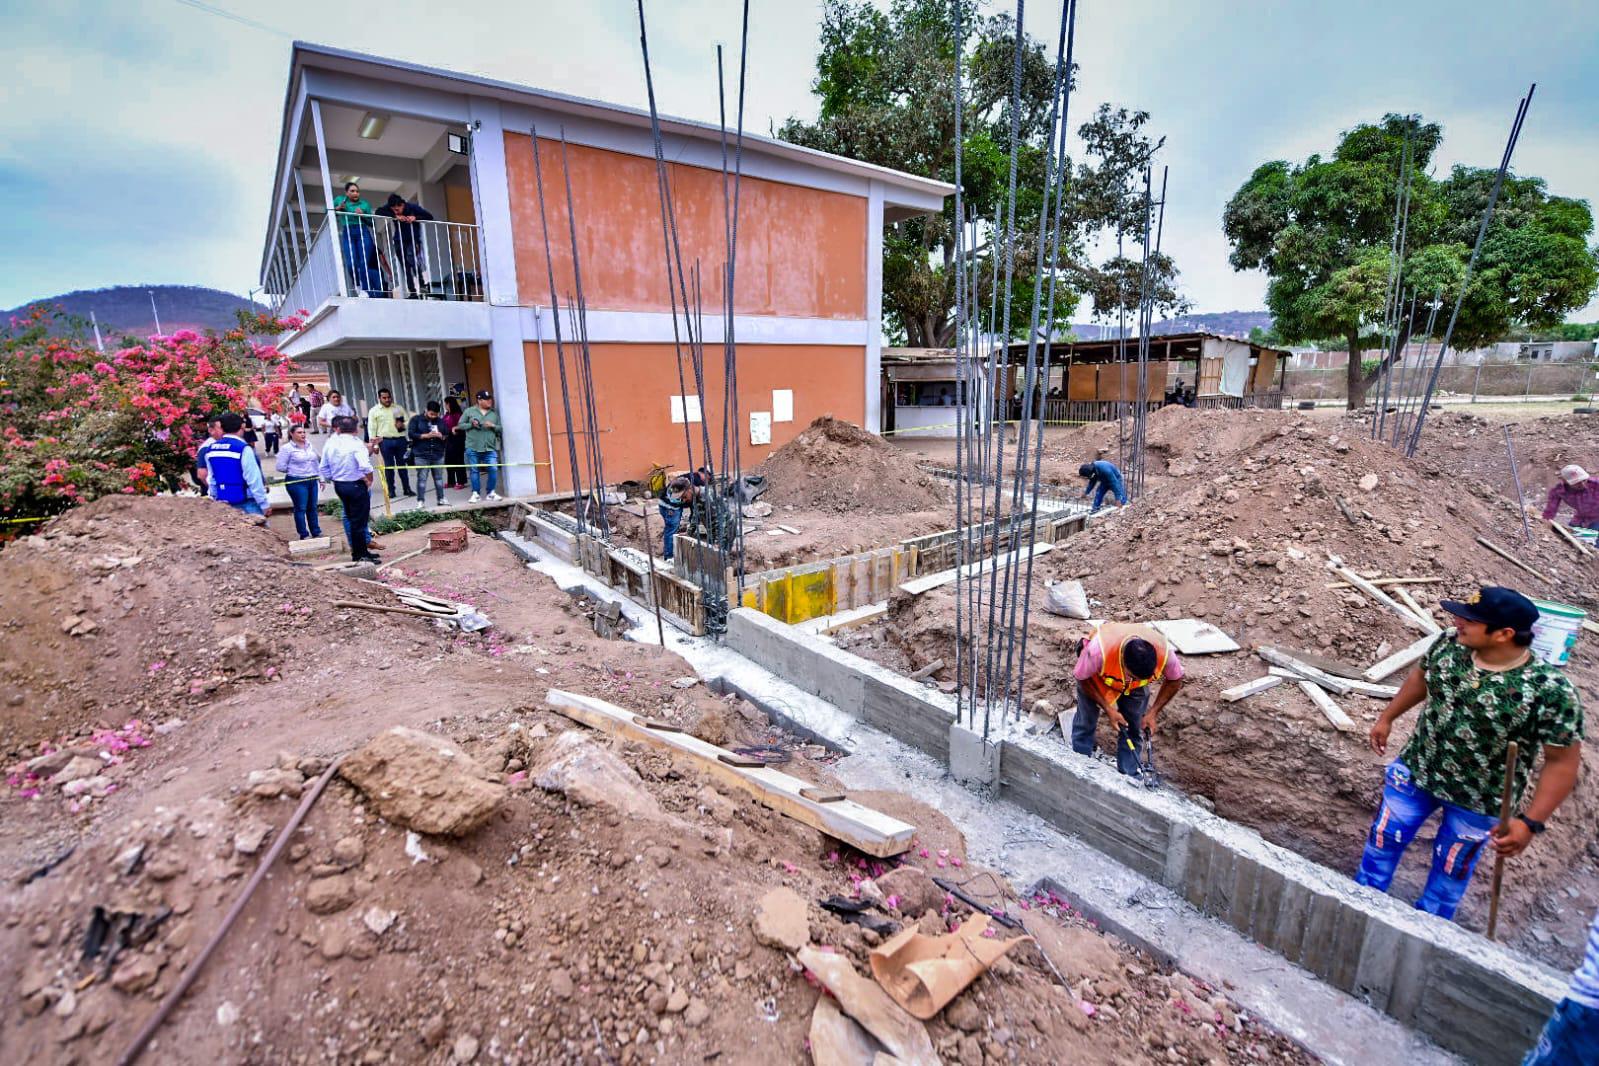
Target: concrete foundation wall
1463,992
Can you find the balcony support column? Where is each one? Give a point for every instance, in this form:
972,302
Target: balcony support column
327,192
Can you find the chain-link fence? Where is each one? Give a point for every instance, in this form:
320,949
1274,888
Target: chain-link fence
1483,382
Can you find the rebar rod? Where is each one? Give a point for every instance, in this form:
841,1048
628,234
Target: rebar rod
1471,264
961,397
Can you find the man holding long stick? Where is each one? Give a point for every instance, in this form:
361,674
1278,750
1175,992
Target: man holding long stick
1482,689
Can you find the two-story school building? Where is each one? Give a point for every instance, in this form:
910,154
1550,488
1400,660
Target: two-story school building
464,299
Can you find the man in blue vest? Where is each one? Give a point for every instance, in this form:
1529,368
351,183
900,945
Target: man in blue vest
233,472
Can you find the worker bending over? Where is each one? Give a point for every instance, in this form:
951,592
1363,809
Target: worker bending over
676,497
1104,476
1115,667
1576,490
1480,689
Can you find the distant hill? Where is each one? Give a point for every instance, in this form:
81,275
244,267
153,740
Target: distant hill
1226,323
125,309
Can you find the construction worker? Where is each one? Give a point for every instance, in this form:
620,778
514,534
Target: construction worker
1103,475
1115,667
1479,689
676,497
1576,490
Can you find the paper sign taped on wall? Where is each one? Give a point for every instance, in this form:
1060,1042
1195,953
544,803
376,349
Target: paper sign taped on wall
691,404
782,405
760,427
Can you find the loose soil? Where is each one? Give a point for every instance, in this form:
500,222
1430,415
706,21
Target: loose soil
562,931
1238,519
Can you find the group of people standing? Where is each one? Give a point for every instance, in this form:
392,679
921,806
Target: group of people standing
458,446
365,267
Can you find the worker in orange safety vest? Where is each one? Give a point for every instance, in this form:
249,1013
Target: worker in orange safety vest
1116,665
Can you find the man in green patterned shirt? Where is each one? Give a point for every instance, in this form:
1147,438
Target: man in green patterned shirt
1483,688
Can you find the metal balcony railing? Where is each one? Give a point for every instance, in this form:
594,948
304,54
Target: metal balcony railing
376,256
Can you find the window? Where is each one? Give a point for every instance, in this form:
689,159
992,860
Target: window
928,393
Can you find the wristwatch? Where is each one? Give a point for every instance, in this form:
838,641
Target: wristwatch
1532,823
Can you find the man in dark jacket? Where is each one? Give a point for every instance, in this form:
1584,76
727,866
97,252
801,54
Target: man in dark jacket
1103,476
428,436
405,235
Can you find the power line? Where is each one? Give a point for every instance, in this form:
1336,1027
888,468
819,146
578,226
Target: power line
211,9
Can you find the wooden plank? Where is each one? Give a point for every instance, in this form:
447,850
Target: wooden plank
1402,658
1250,688
857,616
1592,627
870,831
1304,670
1421,612
1377,594
1324,703
1356,687
1565,534
1497,550
1385,582
1325,663
822,795
932,581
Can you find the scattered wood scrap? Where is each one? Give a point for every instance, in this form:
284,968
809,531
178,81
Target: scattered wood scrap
917,586
1324,703
1497,550
1384,582
1565,534
1303,671
1343,508
1358,688
1401,658
1592,627
1420,612
1327,664
1251,688
1336,566
928,670
862,827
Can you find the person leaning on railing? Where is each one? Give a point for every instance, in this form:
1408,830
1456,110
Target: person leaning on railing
406,238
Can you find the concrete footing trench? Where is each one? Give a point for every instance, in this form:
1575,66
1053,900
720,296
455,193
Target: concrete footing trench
1354,975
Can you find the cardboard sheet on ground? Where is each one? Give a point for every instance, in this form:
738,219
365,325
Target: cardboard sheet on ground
923,973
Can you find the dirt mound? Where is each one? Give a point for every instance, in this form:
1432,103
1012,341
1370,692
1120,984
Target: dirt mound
146,605
1473,447
835,466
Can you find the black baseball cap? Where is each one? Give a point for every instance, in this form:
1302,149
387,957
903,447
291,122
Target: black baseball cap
1496,608
484,394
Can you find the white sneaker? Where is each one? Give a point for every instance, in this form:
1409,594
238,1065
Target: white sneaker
494,495
475,498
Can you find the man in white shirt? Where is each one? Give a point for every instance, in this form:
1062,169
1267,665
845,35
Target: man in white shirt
347,462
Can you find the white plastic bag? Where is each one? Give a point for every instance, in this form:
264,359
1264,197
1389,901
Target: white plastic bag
1067,598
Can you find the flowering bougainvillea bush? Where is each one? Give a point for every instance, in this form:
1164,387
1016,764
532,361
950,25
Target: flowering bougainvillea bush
77,423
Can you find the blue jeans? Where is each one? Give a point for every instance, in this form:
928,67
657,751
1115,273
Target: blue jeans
1570,1036
1461,839
1085,724
1114,485
361,261
489,460
248,507
303,493
672,517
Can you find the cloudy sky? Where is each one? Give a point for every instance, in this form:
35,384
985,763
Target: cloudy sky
137,139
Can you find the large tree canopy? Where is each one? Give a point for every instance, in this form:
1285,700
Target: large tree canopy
1322,231
885,83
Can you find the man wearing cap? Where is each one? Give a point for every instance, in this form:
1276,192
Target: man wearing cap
1479,690
1115,667
1578,491
481,424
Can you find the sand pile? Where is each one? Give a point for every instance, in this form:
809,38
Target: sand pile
835,466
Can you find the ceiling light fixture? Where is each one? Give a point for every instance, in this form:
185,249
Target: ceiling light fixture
372,125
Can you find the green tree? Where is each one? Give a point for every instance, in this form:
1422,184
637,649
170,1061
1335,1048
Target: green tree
1322,231
885,82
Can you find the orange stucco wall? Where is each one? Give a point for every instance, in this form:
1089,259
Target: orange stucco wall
801,252
634,383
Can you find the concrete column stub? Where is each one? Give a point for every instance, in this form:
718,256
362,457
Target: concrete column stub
972,759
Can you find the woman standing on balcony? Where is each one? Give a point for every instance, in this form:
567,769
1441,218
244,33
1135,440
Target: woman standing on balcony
357,242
